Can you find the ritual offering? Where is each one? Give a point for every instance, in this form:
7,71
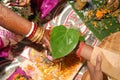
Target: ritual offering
100,17
64,64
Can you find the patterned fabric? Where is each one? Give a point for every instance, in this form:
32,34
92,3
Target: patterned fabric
19,74
7,39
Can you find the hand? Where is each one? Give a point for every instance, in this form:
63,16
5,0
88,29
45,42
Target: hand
46,40
95,71
46,44
19,4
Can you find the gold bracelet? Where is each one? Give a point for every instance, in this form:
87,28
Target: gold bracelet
37,37
42,34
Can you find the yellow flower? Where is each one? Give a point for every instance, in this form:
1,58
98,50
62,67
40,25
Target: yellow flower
22,78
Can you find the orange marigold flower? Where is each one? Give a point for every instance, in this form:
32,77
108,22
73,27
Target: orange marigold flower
29,67
99,14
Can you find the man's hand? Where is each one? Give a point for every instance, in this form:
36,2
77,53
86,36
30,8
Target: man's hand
95,71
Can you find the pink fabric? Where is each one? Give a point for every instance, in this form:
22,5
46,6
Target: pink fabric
45,6
1,43
7,39
20,72
3,50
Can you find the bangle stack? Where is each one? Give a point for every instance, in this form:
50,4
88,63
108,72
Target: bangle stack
36,33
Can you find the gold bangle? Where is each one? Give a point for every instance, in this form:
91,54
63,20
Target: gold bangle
37,35
42,34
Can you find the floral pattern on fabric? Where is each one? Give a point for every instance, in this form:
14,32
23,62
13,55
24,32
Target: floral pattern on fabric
3,50
19,74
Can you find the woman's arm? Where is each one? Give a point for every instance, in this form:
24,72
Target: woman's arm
14,22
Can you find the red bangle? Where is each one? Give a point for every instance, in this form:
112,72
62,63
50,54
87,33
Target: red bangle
33,32
80,49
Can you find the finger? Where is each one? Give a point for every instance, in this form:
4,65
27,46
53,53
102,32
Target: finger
22,4
91,70
19,4
48,56
90,67
12,4
98,63
46,44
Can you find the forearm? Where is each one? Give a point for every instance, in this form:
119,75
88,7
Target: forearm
86,52
13,22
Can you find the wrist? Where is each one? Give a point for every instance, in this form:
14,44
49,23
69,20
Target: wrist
81,45
36,33
84,51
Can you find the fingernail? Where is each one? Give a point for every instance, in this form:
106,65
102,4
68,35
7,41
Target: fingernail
43,45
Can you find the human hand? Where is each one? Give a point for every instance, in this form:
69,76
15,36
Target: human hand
46,40
46,44
19,3
84,51
95,71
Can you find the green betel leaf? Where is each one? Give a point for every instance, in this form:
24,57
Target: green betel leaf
63,41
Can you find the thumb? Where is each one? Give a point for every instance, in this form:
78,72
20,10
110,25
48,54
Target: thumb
98,63
90,67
